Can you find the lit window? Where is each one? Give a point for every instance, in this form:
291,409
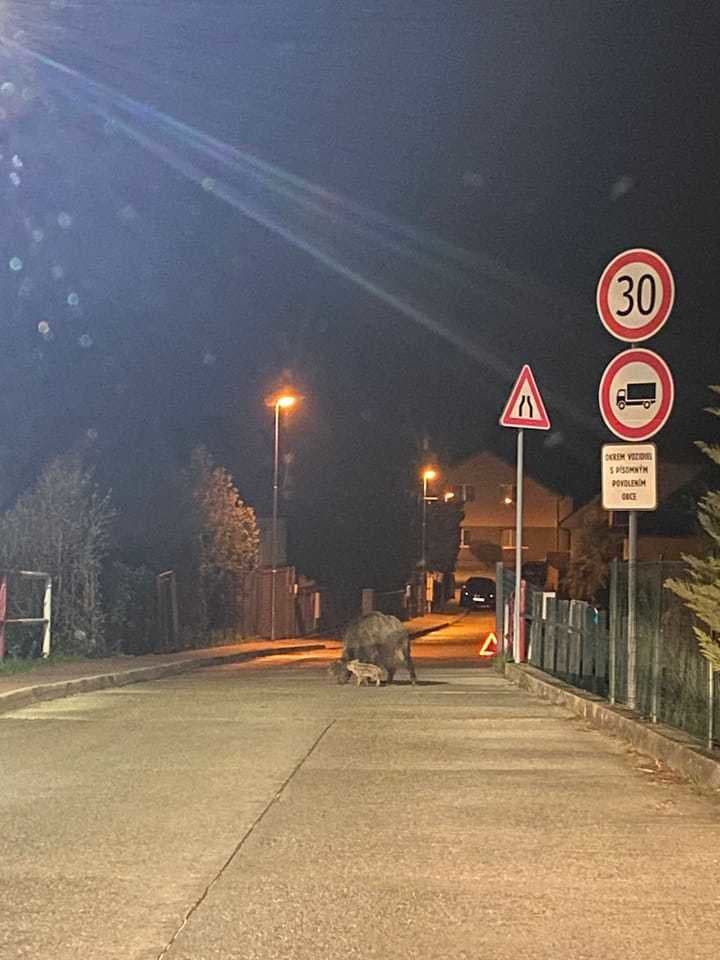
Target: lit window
464,492
464,537
508,538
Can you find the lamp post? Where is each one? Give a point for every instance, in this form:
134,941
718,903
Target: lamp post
427,475
282,402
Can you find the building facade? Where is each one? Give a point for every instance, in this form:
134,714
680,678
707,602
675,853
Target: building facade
485,486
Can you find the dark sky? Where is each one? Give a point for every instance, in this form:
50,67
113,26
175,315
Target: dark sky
402,202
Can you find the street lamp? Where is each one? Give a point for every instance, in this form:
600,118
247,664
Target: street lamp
427,475
283,401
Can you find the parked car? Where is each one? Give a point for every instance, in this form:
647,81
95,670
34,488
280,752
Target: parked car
478,592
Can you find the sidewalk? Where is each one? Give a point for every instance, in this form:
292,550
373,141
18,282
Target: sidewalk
53,680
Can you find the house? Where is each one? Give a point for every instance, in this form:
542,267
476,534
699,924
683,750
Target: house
485,486
663,534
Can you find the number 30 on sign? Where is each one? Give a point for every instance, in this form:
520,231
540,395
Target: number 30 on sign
635,295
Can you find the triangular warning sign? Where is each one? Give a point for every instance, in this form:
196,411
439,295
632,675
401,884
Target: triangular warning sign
489,647
525,408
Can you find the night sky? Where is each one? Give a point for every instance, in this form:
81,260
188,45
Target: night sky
399,202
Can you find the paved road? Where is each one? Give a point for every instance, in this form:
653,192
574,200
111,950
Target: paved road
258,812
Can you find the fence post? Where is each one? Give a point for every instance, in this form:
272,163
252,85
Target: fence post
535,632
613,627
656,648
47,617
3,613
562,639
499,659
572,658
589,644
367,602
550,644
601,653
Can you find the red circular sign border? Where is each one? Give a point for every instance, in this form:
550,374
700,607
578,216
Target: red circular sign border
636,434
650,259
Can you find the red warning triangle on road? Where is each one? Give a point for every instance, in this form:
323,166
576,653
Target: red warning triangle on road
525,408
489,646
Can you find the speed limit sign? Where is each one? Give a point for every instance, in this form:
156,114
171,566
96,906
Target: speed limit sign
635,295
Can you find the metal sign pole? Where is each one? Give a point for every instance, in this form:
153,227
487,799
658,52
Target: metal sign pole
636,397
632,612
518,546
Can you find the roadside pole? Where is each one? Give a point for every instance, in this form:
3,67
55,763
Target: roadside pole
632,611
518,545
525,408
634,297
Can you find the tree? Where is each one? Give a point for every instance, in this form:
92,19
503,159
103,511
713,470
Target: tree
62,527
701,589
588,571
486,552
443,535
226,538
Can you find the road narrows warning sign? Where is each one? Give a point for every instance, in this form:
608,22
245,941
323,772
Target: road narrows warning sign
525,408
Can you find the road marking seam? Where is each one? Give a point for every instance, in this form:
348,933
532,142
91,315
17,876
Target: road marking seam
248,833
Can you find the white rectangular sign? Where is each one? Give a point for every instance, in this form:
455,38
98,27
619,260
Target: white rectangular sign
629,476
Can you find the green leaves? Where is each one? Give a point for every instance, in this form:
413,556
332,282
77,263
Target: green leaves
701,589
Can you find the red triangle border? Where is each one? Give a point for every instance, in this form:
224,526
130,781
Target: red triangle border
526,381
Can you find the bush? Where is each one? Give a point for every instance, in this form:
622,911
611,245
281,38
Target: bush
61,527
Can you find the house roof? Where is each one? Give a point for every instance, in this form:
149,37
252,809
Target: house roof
476,460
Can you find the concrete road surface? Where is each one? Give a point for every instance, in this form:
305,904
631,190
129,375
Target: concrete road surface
258,812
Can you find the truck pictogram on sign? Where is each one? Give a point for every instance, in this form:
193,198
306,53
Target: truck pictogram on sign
636,394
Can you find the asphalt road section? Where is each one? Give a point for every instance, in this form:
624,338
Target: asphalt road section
257,811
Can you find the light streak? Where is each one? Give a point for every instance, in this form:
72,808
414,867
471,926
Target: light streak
371,251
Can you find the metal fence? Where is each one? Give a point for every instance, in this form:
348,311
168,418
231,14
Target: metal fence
588,648
569,639
675,683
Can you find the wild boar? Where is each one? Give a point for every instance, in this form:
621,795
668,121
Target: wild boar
380,639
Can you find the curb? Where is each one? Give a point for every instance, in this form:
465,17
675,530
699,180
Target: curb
424,632
681,752
15,699
438,626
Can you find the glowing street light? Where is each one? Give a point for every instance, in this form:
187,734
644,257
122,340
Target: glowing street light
281,401
428,474
285,401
